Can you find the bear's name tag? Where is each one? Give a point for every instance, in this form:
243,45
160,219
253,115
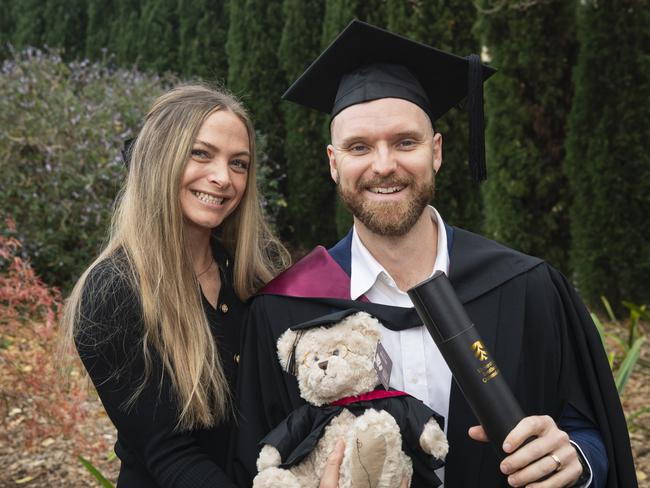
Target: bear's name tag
383,365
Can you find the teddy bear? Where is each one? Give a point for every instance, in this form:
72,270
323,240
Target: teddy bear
388,434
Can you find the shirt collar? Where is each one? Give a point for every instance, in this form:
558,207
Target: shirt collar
365,270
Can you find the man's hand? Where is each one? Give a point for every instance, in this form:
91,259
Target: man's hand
330,478
550,454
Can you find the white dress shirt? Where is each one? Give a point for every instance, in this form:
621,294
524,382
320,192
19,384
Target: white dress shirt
418,366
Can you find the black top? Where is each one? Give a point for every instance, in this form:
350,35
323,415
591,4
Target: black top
109,342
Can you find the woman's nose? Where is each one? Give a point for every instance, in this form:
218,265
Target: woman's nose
219,174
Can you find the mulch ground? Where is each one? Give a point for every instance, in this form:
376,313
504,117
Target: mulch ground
52,461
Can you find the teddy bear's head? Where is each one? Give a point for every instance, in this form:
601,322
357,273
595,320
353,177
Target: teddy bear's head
335,361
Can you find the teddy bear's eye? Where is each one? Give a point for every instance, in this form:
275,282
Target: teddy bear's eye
315,358
335,352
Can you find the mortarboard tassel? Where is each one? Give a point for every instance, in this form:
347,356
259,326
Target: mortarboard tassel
476,119
291,363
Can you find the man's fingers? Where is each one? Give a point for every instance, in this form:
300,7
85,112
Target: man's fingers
544,472
478,433
330,478
534,426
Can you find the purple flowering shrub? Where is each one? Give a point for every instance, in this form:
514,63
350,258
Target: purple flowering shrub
62,126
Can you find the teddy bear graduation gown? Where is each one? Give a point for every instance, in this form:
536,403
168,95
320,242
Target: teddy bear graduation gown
527,313
298,434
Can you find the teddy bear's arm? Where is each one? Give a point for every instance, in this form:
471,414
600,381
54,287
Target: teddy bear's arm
297,435
433,440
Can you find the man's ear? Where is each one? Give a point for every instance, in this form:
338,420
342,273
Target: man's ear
437,151
334,171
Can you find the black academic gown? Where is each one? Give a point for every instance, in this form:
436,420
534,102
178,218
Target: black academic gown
529,316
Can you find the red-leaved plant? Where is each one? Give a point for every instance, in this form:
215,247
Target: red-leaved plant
37,402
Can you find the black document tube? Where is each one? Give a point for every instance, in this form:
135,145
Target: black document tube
470,363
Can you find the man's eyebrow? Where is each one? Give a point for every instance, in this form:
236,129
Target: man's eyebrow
348,141
214,148
413,134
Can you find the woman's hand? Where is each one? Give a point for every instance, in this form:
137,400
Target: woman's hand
330,478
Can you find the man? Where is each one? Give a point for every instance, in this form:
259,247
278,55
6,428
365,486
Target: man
384,93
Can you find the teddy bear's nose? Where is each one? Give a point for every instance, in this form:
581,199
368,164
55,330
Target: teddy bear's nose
322,365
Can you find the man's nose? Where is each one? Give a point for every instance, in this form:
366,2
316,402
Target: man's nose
384,161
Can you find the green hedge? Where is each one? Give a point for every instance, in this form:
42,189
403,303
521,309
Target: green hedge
608,161
527,105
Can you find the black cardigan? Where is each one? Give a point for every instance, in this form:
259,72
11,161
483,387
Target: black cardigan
109,342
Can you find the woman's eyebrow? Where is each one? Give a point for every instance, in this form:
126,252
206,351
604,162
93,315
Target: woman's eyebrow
216,149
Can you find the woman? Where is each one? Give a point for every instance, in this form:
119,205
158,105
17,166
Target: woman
156,317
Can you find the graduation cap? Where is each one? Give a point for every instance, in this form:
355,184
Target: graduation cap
322,321
367,63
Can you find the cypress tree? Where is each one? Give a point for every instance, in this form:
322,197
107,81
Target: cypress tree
310,195
124,32
203,29
607,160
527,105
158,35
7,25
446,25
98,31
254,73
64,26
29,23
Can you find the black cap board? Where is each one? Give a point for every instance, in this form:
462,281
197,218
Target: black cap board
322,321
366,63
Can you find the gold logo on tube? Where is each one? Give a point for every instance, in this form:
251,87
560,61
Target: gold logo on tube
479,351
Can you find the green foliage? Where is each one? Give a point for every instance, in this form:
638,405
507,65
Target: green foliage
98,28
627,340
95,472
527,104
608,164
61,131
29,23
65,26
157,39
310,188
446,25
203,30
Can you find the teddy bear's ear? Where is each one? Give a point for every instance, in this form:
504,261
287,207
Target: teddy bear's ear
286,349
366,324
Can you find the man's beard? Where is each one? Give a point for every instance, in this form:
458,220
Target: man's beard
388,218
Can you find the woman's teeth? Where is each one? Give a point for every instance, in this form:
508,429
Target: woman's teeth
204,197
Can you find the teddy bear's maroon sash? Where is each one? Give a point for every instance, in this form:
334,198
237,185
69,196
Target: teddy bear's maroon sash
366,397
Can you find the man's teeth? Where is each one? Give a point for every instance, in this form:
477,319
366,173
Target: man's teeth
392,189
204,197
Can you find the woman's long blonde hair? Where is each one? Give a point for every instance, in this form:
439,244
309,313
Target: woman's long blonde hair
147,226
